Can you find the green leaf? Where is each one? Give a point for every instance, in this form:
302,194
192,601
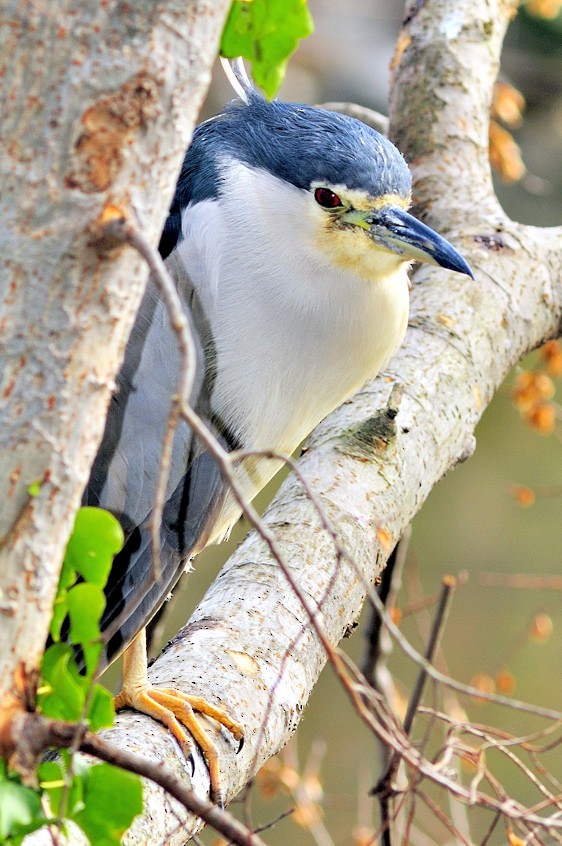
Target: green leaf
92,652
65,693
53,777
51,658
86,602
51,780
101,713
60,608
266,32
112,799
102,800
96,538
20,809
60,611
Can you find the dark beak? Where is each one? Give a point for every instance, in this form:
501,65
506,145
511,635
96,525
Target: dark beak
399,232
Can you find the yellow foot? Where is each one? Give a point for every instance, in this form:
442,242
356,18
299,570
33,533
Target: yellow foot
176,710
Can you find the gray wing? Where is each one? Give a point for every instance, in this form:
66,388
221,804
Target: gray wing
125,473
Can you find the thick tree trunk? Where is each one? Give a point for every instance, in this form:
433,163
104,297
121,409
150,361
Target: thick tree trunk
98,103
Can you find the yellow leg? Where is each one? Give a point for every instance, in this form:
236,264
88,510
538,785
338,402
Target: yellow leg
173,709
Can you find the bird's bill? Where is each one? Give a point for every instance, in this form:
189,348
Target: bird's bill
395,230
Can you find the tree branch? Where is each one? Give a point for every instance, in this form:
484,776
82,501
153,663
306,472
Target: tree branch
250,647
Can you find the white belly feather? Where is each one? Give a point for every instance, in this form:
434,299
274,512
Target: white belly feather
308,333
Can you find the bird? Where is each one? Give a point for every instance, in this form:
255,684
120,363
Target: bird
289,241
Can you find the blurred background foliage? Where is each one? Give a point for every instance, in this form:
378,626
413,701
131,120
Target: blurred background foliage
493,518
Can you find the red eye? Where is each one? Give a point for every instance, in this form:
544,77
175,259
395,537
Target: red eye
327,199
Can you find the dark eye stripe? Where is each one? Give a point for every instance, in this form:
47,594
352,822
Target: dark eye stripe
327,199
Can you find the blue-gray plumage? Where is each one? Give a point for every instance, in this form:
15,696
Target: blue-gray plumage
289,242
325,147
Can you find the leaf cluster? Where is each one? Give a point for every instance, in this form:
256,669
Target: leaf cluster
68,692
266,33
76,791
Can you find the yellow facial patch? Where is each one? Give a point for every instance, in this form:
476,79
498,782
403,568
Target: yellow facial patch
350,247
354,251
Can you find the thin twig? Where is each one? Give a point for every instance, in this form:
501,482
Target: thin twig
383,789
439,622
374,119
436,810
379,645
125,230
491,829
186,378
501,741
38,733
220,820
373,597
409,819
272,823
524,581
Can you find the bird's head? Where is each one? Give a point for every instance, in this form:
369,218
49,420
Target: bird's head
315,178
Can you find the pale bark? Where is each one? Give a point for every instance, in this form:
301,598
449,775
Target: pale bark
249,646
98,103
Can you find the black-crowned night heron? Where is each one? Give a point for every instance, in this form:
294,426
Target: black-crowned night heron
289,242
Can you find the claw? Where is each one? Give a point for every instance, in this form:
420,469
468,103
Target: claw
176,710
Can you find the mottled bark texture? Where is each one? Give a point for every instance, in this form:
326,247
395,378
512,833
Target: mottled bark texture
249,646
97,105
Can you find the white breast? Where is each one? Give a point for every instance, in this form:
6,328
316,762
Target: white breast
294,334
